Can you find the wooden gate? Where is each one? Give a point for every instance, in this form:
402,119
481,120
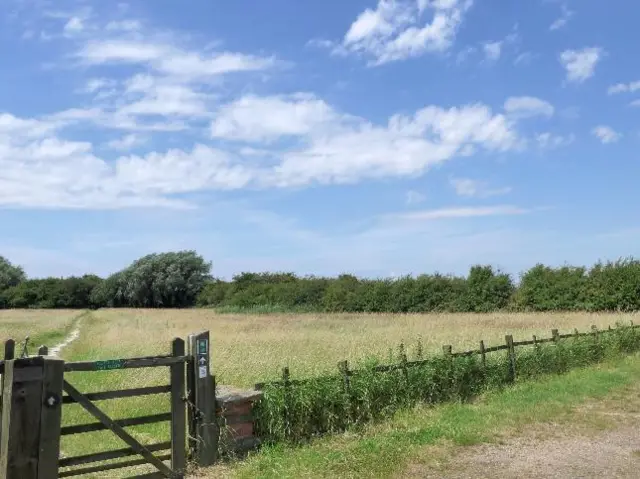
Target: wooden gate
36,389
176,445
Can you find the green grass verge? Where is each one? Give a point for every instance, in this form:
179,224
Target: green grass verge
384,449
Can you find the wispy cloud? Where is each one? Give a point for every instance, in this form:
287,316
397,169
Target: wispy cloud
562,21
606,134
580,65
452,213
524,58
550,141
624,88
528,106
475,188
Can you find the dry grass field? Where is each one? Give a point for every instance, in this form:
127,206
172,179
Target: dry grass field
251,348
42,326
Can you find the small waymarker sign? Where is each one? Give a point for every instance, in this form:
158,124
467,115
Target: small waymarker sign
52,400
203,348
109,364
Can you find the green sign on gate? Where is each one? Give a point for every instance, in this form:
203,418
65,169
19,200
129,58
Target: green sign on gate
109,364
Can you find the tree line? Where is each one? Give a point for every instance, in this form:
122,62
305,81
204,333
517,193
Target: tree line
611,286
183,279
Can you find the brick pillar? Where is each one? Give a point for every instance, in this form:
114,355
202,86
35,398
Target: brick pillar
234,410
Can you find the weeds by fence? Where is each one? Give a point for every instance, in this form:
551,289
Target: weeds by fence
298,409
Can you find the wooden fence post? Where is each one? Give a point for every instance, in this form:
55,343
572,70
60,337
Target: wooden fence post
31,415
286,384
9,349
511,352
403,363
555,335
448,355
203,425
178,418
483,354
9,353
343,367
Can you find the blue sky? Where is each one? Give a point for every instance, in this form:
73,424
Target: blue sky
373,137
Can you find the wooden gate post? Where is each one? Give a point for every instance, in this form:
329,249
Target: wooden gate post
31,414
511,356
204,430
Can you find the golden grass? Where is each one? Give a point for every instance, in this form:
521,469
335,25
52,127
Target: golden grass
251,348
42,326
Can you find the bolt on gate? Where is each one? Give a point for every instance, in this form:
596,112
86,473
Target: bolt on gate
35,391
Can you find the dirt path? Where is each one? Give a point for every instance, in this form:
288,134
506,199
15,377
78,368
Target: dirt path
601,441
71,337
610,455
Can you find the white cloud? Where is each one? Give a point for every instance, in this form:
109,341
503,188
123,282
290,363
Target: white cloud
253,118
167,100
114,119
548,140
127,142
20,129
492,50
331,147
606,134
121,51
624,88
562,20
396,30
414,197
580,64
170,60
474,188
407,146
178,171
46,171
470,212
527,106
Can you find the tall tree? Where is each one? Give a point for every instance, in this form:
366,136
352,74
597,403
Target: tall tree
166,280
10,275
